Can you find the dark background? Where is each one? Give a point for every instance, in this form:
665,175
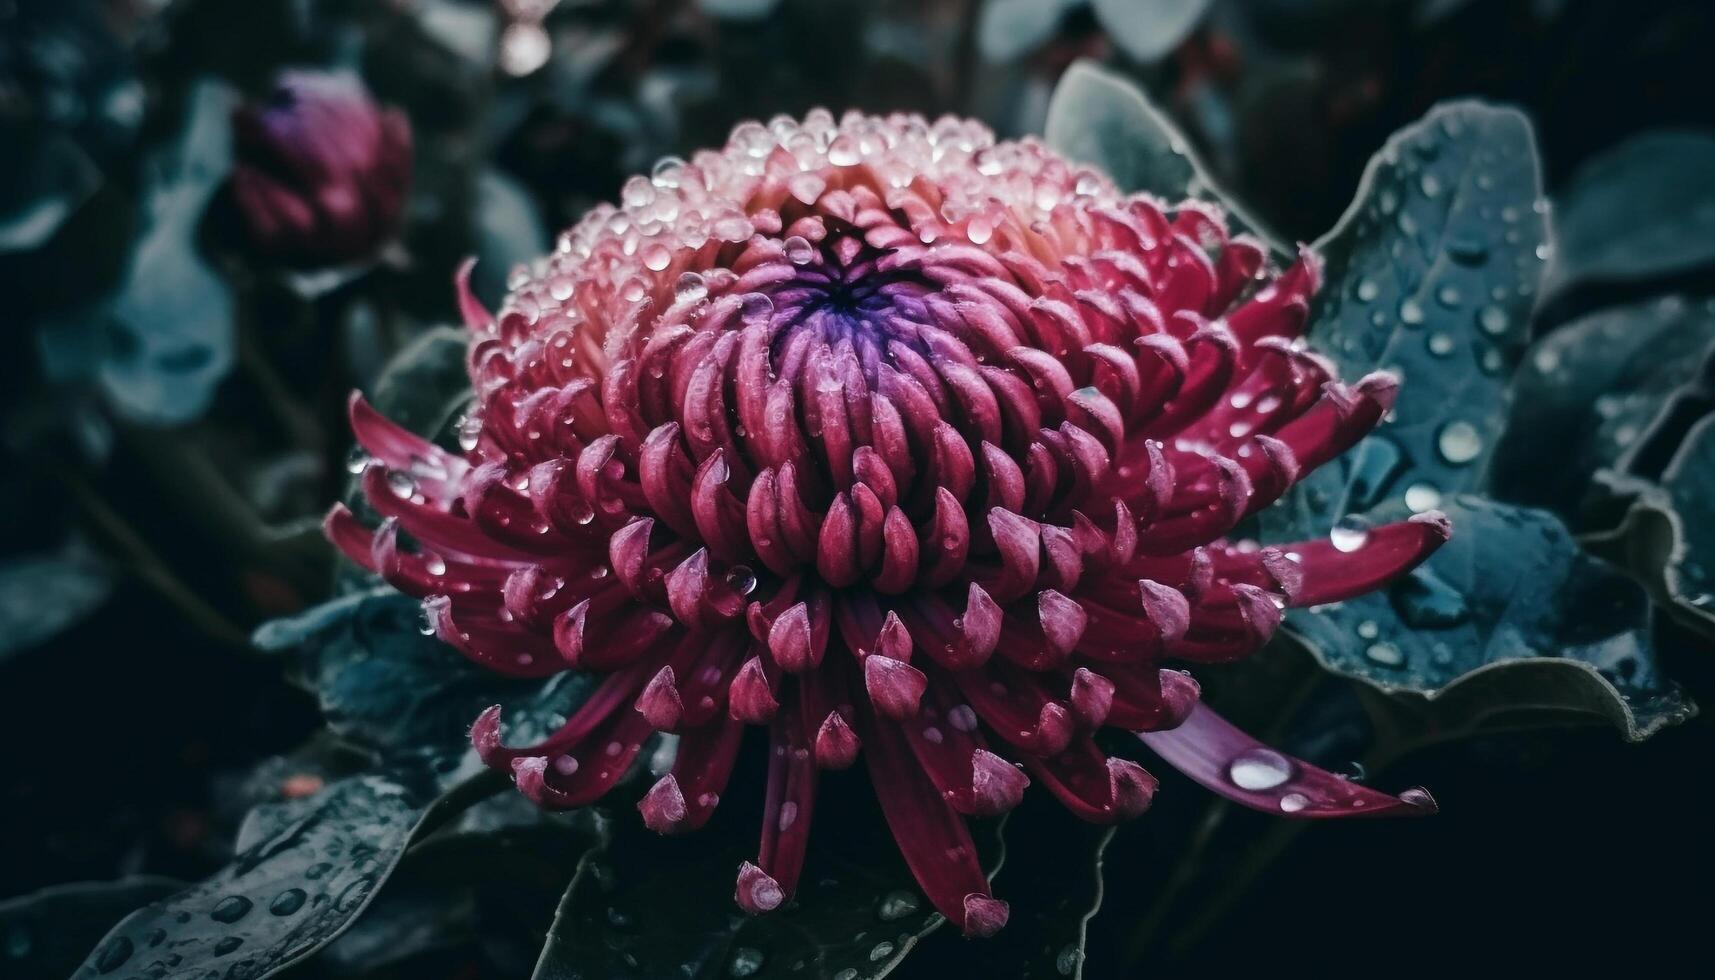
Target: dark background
133,739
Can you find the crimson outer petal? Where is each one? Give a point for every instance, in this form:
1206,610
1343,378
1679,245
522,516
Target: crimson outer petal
905,444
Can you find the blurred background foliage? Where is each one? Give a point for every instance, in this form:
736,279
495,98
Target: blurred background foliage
172,400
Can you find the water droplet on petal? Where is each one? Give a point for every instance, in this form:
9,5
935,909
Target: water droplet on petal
1259,769
1349,533
1422,496
799,251
1293,802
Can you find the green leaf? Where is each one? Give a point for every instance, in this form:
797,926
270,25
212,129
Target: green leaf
647,906
384,685
1430,274
1098,117
509,232
44,594
170,324
1007,29
1643,211
289,894
1148,30
1508,623
1669,534
1587,395
425,384
44,935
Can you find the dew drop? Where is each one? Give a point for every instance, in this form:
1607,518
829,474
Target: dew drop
897,905
113,954
227,945
1385,653
1368,630
1459,442
1367,290
1259,769
690,288
1349,533
469,431
1441,344
1468,251
230,909
843,151
401,484
357,460
1422,496
288,901
741,579
1411,312
656,258
882,951
1448,295
799,251
1493,320
1293,802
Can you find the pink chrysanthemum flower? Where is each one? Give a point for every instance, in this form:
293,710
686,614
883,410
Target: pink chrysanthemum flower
902,443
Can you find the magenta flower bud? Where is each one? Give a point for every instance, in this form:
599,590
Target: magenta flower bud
321,172
908,445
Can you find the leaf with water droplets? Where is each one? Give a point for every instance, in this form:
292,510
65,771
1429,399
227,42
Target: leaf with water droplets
1430,275
46,934
289,894
44,594
1589,397
645,906
1669,534
1507,623
384,685
1637,216
1099,118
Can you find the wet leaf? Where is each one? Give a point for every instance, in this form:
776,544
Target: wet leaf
646,906
1100,118
1669,534
1148,30
44,594
384,685
1507,623
1430,275
1588,394
44,935
509,232
289,894
739,9
1643,211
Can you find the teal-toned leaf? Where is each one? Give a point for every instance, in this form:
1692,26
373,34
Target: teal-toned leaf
289,894
739,9
1100,118
44,594
1149,30
1669,534
172,337
645,906
1430,275
44,178
1508,623
1589,392
425,385
1643,211
45,935
509,231
1007,29
385,686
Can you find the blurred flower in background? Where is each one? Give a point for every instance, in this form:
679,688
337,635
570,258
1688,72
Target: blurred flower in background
320,172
